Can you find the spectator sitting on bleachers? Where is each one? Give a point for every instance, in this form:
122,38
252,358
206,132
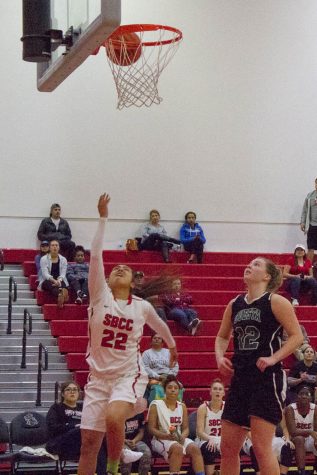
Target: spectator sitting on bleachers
168,424
301,421
44,249
154,236
193,239
208,427
77,275
282,447
299,275
303,373
299,352
156,361
63,423
53,270
134,433
55,227
178,308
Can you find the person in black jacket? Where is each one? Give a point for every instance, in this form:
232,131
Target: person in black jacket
63,423
57,228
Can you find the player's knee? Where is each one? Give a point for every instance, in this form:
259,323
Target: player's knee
299,441
193,450
175,451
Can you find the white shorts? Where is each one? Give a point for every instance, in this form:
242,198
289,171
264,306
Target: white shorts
100,392
277,444
162,446
309,445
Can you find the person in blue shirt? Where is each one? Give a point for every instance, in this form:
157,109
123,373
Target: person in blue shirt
192,237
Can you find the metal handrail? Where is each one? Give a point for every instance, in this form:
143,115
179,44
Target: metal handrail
27,329
41,367
1,260
13,294
56,389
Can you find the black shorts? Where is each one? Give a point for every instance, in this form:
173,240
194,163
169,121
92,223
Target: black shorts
256,394
312,237
209,456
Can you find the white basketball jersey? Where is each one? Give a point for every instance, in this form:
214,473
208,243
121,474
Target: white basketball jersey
115,334
167,417
307,422
212,422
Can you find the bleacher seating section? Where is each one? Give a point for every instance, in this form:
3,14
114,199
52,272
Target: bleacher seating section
211,284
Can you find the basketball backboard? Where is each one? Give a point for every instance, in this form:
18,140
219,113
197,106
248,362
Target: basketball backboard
90,23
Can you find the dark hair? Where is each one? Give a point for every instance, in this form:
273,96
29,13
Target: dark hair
307,388
155,211
171,379
190,212
156,334
275,272
54,205
52,240
79,248
65,385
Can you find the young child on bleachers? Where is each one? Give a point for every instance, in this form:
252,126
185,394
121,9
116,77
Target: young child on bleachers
178,308
77,275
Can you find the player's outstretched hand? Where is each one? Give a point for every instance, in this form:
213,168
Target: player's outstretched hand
173,356
103,205
265,362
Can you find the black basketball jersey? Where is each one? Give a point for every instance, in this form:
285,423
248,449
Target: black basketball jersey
256,331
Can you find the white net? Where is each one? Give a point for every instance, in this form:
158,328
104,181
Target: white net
136,67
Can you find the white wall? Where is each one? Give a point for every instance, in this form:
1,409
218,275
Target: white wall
234,138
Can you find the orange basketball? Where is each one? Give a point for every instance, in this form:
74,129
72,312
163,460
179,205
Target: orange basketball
124,49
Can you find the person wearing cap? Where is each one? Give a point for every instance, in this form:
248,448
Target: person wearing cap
138,289
57,228
308,221
44,248
298,272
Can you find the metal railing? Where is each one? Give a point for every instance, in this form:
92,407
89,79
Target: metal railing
56,391
13,294
41,367
27,329
1,260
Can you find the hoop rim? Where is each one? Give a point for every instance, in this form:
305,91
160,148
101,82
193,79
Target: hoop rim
147,27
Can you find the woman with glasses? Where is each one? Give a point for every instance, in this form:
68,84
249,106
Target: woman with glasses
63,421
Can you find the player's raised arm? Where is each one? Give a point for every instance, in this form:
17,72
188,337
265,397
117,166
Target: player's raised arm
96,278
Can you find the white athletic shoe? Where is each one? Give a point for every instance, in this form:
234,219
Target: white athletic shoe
295,302
129,456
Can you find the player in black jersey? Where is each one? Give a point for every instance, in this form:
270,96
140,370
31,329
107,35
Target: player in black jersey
257,390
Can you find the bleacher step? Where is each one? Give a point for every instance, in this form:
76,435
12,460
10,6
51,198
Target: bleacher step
31,358
12,340
52,366
20,301
25,375
29,349
25,395
19,309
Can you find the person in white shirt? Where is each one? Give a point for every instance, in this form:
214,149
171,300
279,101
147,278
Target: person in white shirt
117,379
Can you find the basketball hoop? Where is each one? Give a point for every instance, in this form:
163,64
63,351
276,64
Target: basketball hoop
137,55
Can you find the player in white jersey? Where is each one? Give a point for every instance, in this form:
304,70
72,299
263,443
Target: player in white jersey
117,379
208,427
301,420
168,424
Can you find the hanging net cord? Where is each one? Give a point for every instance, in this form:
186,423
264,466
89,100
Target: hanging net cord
137,81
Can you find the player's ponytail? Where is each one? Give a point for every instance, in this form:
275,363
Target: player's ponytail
276,275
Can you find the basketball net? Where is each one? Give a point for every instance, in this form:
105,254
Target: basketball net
137,76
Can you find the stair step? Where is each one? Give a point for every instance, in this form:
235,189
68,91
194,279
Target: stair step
20,280
21,386
25,395
52,366
25,375
31,358
15,271
19,309
20,301
17,349
22,406
17,326
22,286
11,340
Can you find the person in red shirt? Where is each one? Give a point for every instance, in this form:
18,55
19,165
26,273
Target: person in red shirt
299,275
